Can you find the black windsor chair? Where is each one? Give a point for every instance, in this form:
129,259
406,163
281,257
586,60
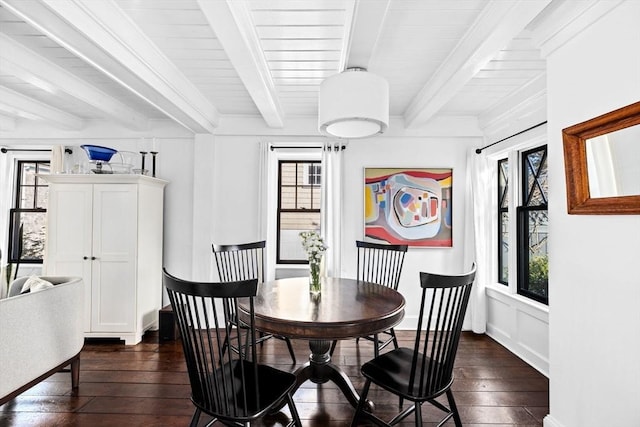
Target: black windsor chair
423,373
382,264
231,387
241,262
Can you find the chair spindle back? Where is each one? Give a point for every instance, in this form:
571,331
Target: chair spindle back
202,327
442,309
240,262
380,263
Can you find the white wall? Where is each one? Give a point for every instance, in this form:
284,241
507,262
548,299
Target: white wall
594,316
236,201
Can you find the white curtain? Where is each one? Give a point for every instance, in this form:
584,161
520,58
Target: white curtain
265,166
263,188
331,206
6,178
478,220
56,164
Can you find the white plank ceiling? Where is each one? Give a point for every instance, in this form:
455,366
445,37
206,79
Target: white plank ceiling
71,62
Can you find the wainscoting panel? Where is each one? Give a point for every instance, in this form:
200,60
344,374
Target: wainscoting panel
519,325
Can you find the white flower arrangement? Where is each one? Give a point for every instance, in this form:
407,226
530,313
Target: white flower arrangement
313,245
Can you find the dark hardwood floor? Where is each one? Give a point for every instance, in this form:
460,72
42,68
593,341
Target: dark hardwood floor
147,385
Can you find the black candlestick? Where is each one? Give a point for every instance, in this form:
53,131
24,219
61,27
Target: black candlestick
144,153
153,163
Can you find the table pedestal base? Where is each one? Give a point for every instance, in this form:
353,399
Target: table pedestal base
319,370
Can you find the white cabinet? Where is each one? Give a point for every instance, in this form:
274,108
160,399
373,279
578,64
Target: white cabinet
108,230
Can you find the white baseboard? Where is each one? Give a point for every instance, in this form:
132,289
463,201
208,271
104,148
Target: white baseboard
530,357
549,421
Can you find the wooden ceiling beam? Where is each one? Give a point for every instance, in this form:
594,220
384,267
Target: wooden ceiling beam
231,22
30,67
496,26
563,20
101,33
367,19
18,105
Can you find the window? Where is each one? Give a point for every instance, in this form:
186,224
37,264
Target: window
298,207
27,220
533,224
312,174
530,234
503,221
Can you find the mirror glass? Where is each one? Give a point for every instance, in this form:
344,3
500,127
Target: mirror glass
613,163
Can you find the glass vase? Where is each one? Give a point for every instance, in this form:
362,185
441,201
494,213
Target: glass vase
314,278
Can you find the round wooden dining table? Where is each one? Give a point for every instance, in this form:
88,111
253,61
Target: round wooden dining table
345,308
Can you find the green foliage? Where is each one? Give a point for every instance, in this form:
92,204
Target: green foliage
539,274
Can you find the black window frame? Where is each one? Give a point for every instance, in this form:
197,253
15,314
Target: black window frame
503,208
523,213
280,210
15,237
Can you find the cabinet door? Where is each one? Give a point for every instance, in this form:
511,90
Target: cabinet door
69,228
115,216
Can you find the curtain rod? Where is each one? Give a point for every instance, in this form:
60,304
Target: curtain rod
5,150
341,146
479,150
275,147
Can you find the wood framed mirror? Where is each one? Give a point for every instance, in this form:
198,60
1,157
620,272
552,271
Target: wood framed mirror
602,163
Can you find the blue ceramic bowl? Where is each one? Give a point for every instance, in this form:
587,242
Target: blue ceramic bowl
96,152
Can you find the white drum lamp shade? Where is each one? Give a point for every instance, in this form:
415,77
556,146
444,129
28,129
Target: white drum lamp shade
353,104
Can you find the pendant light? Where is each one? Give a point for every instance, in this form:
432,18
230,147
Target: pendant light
353,104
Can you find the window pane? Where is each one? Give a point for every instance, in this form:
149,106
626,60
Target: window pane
503,183
43,168
304,198
42,196
300,221
28,171
26,197
288,173
288,198
503,221
291,224
315,197
535,176
538,263
39,181
27,236
503,273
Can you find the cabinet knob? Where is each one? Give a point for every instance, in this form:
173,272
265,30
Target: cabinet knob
85,257
93,258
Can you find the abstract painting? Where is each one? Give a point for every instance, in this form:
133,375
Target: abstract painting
408,206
